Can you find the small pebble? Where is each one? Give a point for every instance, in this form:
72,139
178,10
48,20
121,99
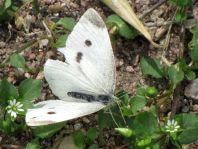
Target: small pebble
2,44
185,109
195,108
86,120
129,69
77,126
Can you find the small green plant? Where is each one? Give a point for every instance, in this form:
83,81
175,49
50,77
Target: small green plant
7,10
86,140
181,7
118,26
14,103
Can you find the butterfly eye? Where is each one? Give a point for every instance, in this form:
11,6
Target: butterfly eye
88,43
51,112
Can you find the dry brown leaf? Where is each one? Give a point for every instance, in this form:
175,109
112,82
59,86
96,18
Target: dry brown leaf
124,10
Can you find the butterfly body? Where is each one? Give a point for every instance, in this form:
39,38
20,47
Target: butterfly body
91,98
85,82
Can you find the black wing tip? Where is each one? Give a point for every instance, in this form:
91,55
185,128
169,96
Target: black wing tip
93,16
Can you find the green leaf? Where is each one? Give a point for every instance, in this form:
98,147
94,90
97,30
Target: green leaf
61,41
17,60
34,144
194,53
126,132
6,125
67,23
137,103
94,146
79,139
151,67
92,133
104,120
180,16
141,90
123,96
193,45
7,3
123,29
145,124
30,89
7,91
47,130
27,104
175,74
191,75
189,124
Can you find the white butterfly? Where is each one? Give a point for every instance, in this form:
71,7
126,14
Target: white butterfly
85,82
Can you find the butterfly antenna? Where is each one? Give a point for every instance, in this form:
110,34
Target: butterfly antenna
113,117
118,103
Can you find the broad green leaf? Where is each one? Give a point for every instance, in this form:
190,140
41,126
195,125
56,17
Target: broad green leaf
30,89
151,67
47,130
145,124
123,29
17,60
194,53
61,41
34,144
92,133
67,23
137,103
7,3
175,74
94,146
189,125
188,136
126,132
7,92
79,139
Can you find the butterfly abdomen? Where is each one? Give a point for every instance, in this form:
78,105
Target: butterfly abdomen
90,98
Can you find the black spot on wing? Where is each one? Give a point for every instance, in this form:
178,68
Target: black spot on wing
88,43
79,57
51,112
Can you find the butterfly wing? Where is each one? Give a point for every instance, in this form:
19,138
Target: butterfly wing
88,48
64,78
54,111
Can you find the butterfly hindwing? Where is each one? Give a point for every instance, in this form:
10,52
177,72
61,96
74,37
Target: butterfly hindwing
54,111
